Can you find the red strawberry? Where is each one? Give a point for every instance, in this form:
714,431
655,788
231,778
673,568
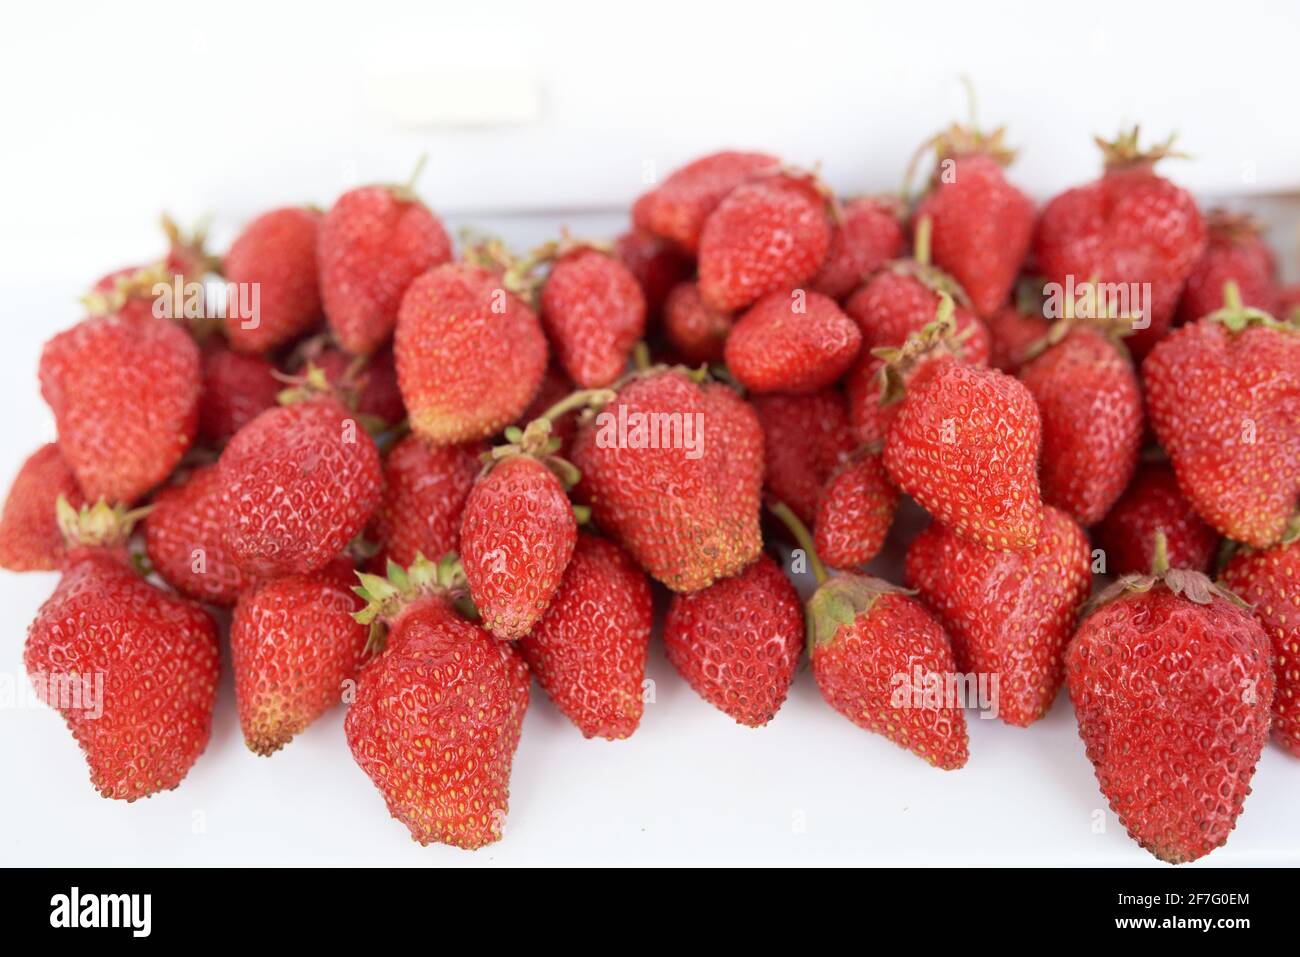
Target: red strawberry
30,539
1172,685
792,342
677,209
1288,302
373,378
437,715
470,355
1235,252
588,651
696,331
658,265
805,439
236,388
1129,226
300,481
276,253
737,642
1010,613
373,243
1223,395
1091,409
1153,503
767,235
293,644
1012,331
593,310
1270,581
869,235
674,471
129,293
125,395
185,538
854,512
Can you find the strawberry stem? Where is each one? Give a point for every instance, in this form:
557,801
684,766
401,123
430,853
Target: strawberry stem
801,536
921,247
1160,555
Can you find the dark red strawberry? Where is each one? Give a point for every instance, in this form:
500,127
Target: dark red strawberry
696,331
657,264
795,341
1012,332
676,210
805,439
854,512
1235,252
1153,503
373,380
185,538
30,539
237,387
276,255
869,234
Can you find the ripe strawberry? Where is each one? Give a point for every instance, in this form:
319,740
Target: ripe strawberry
470,355
236,388
373,243
805,439
1153,503
373,379
1288,303
1235,252
1129,226
1270,581
1010,613
129,293
438,713
185,539
30,540
767,235
594,313
293,643
277,253
676,210
588,651
424,495
1223,395
737,642
674,471
696,331
1172,685
792,342
1091,408
300,481
854,512
1012,332
869,235
125,396
657,264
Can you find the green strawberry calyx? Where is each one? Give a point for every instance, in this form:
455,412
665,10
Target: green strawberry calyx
1193,585
1088,310
840,601
1124,152
938,338
535,439
98,525
1237,317
387,596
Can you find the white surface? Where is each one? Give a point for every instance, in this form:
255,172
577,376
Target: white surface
115,121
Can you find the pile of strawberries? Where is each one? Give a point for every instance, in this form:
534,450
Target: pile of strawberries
416,482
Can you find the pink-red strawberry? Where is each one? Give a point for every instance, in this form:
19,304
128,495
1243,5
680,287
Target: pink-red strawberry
594,313
30,539
237,387
697,332
796,341
657,264
805,439
1235,252
276,254
868,235
1154,504
854,512
424,495
185,539
676,209
588,651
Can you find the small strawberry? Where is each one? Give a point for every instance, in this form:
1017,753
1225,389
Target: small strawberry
237,387
796,341
854,512
130,293
185,539
293,644
1153,503
767,235
437,714
1223,395
677,209
657,264
470,355
737,642
868,236
1013,331
276,253
588,651
372,378
805,439
30,540
1235,252
696,331
374,242
1172,686
1010,613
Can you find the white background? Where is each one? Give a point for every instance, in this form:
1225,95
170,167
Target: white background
536,116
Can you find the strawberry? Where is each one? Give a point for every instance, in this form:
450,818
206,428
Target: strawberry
1010,613
30,540
869,235
293,644
236,388
737,642
1288,302
657,265
470,355
588,651
677,209
805,439
696,331
373,379
673,470
184,537
129,292
125,396
300,481
437,714
1129,226
1091,408
276,253
1223,395
1270,581
1013,331
854,512
792,342
767,235
1172,686
1153,503
1235,251
374,242
132,669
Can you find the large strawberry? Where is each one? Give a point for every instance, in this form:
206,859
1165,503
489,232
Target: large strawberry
588,651
1235,252
1172,686
437,714
276,254
237,387
855,511
805,439
30,539
697,332
795,341
185,539
677,208
1010,613
1153,504
868,235
1223,395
